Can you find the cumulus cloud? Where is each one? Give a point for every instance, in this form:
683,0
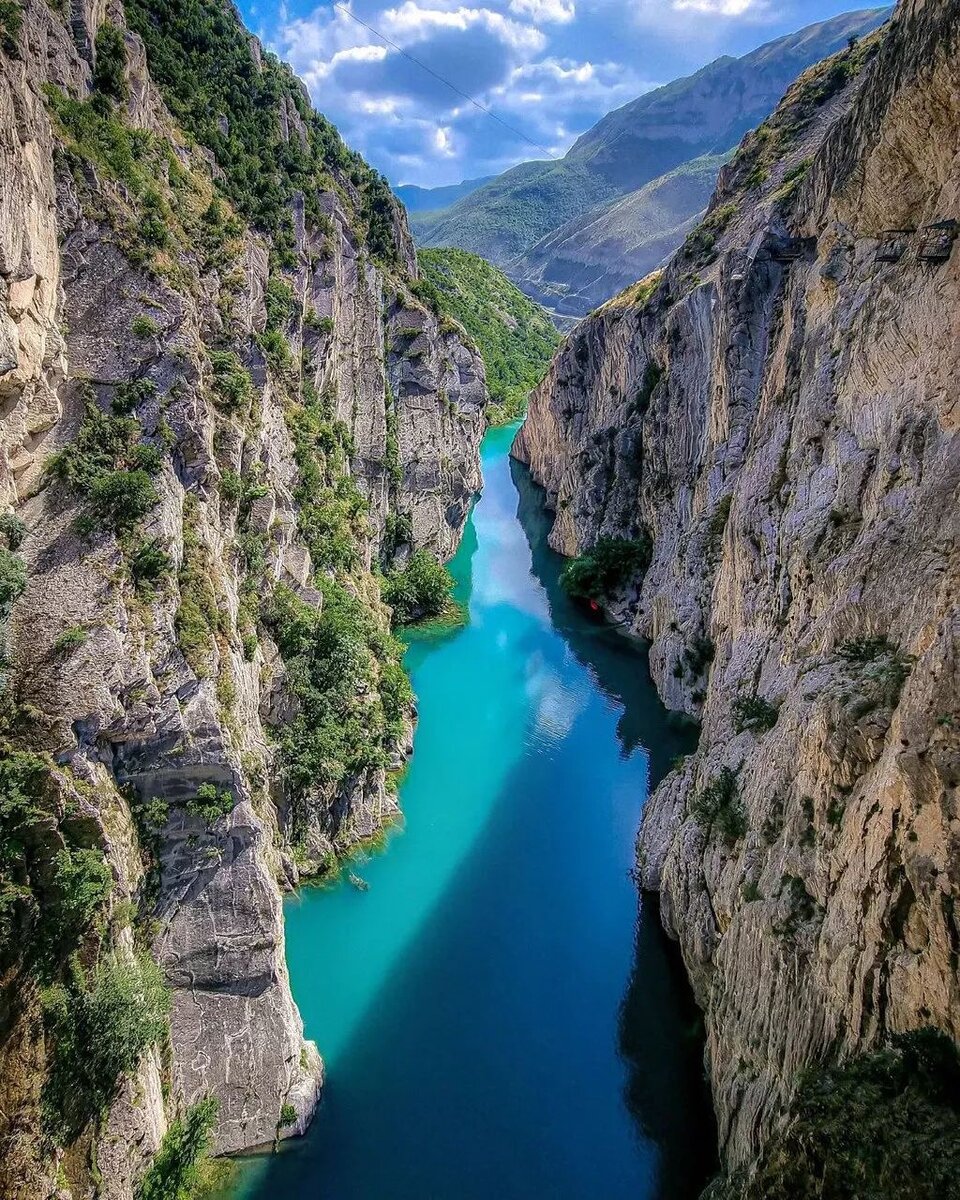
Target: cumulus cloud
720,8
543,11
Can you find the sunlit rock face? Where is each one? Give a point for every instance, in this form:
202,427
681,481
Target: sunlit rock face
778,411
244,366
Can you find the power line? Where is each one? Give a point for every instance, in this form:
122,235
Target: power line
452,86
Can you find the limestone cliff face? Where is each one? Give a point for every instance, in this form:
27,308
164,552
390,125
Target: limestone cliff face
779,412
285,403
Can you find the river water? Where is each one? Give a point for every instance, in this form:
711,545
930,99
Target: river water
498,1017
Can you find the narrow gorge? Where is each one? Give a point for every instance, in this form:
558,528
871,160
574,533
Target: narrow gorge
706,590
755,454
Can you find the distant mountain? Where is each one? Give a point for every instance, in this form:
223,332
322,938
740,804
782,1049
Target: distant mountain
513,218
420,199
583,263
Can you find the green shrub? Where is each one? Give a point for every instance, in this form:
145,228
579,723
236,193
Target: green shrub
698,655
198,618
279,302
288,1115
149,563
231,485
13,529
101,1028
883,1123
143,326
51,885
232,386
119,499
880,667
13,581
718,806
71,639
312,320
610,564
177,1170
754,713
11,22
276,349
211,802
129,396
421,589
110,63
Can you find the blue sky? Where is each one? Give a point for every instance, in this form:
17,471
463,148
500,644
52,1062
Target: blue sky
548,68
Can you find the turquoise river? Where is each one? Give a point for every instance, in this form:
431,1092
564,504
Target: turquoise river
500,1017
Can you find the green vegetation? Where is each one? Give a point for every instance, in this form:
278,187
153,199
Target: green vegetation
110,63
71,639
149,564
882,1123
352,693
13,581
52,881
609,565
180,1168
11,22
199,617
515,337
774,138
101,1025
211,803
13,529
419,590
754,713
202,59
288,1115
232,386
109,465
699,246
143,326
718,806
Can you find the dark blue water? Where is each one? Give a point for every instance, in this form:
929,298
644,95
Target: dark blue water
497,1017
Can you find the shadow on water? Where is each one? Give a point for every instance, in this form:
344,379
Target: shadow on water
660,1027
496,1054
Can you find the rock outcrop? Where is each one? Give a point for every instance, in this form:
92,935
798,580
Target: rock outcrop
215,426
777,411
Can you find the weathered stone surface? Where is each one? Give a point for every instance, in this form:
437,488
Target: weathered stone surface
795,455
125,709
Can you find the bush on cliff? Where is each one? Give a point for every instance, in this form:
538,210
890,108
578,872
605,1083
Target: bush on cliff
611,563
419,590
179,1167
881,1124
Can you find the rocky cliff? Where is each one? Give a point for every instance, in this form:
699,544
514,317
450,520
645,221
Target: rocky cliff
772,425
223,408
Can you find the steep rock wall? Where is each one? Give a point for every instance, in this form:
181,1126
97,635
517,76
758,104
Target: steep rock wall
278,417
778,411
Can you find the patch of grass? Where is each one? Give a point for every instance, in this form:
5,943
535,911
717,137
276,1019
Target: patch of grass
232,386
11,22
288,1115
199,616
71,639
607,566
179,1168
149,564
13,529
143,326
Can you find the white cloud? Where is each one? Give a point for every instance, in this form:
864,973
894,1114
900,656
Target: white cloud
559,12
410,22
719,8
443,142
